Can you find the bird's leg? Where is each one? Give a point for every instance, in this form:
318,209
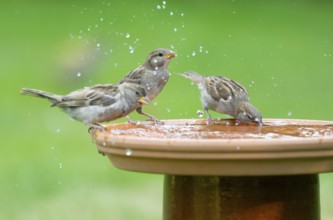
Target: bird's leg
152,118
209,118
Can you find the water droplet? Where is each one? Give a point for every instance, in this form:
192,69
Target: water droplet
194,53
127,35
289,114
58,130
98,45
52,147
128,152
200,113
158,6
171,13
155,103
174,29
101,19
78,74
61,165
168,110
200,49
182,14
131,49
164,2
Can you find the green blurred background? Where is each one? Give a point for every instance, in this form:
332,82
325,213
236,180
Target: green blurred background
280,50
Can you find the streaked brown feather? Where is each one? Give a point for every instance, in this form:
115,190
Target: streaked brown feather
221,87
102,95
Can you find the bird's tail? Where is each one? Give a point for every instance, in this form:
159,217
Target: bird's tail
41,94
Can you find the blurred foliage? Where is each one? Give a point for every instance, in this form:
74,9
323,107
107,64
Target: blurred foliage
280,50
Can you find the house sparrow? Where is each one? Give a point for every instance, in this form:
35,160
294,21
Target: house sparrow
225,96
101,103
152,75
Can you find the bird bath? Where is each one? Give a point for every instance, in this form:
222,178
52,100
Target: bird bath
228,170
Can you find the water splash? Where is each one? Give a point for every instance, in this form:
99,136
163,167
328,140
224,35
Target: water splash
128,152
200,113
131,49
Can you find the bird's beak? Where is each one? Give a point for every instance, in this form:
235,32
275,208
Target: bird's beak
258,121
144,100
170,55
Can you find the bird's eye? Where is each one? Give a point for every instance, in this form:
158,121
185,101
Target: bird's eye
160,54
249,116
137,93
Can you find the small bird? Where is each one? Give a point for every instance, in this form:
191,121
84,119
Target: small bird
101,103
152,75
225,96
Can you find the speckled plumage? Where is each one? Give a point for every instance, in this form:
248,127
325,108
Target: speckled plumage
101,103
152,75
225,96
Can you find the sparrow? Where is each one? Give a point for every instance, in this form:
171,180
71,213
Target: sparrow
225,96
100,103
152,75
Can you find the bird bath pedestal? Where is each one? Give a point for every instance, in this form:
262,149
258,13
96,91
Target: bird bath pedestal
228,171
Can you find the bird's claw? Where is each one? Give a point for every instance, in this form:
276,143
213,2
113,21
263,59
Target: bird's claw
95,127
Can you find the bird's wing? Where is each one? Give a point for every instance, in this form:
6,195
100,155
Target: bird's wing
102,95
134,76
221,87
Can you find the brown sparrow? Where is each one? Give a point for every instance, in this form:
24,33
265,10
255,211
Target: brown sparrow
101,103
152,75
225,96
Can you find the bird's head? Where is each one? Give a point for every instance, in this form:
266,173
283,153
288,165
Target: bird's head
248,113
159,58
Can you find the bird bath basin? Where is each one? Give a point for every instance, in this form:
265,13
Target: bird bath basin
228,170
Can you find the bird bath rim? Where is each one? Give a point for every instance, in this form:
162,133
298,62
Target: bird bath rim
248,156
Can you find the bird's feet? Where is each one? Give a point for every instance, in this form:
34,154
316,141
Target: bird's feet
210,121
95,127
155,120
